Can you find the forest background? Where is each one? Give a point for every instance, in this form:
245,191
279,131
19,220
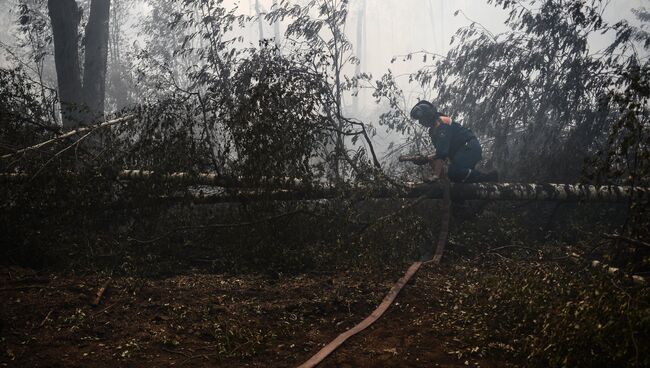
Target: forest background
266,95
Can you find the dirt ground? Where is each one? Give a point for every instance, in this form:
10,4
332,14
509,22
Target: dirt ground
47,320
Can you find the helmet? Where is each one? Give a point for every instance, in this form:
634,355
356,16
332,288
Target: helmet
424,111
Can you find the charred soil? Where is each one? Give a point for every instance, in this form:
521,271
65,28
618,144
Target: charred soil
225,320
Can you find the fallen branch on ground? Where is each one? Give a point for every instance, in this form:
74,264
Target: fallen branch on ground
69,134
626,239
637,279
100,293
45,319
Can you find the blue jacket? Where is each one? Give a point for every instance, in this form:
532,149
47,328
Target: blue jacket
449,138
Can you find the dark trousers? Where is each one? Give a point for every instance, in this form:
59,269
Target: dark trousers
463,162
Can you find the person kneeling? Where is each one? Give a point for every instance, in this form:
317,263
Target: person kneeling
454,142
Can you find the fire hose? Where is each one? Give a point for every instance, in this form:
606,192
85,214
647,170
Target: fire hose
440,172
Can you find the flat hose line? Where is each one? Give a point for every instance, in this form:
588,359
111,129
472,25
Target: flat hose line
397,287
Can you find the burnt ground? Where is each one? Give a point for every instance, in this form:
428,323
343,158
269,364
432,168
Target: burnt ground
200,320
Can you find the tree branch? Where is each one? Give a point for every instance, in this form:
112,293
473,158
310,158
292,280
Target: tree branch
69,134
626,239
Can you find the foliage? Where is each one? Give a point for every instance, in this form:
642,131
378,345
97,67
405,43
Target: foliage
34,50
34,27
536,93
546,315
289,100
540,94
282,98
626,156
264,113
531,292
317,31
250,113
24,119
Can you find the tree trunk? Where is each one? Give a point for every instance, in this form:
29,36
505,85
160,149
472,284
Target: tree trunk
118,90
259,20
65,17
80,103
360,46
276,28
96,49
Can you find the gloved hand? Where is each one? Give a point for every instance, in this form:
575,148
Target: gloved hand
421,160
416,159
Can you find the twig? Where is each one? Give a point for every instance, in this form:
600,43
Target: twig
513,246
398,211
59,153
100,293
45,319
629,240
481,25
104,310
197,356
367,138
499,255
177,352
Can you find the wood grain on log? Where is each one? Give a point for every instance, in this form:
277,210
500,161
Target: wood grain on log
294,189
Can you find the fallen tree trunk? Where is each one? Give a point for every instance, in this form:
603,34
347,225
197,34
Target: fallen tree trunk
188,178
548,192
474,191
68,135
212,179
237,189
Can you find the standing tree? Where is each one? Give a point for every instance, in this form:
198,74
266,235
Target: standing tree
258,12
276,28
319,27
35,38
360,46
119,84
80,103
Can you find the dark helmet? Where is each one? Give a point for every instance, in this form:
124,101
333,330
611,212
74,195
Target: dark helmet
424,111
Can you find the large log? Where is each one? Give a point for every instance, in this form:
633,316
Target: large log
548,192
186,178
474,191
232,189
212,179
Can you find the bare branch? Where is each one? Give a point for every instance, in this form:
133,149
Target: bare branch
69,134
626,239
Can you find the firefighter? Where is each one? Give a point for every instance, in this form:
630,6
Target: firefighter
454,142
